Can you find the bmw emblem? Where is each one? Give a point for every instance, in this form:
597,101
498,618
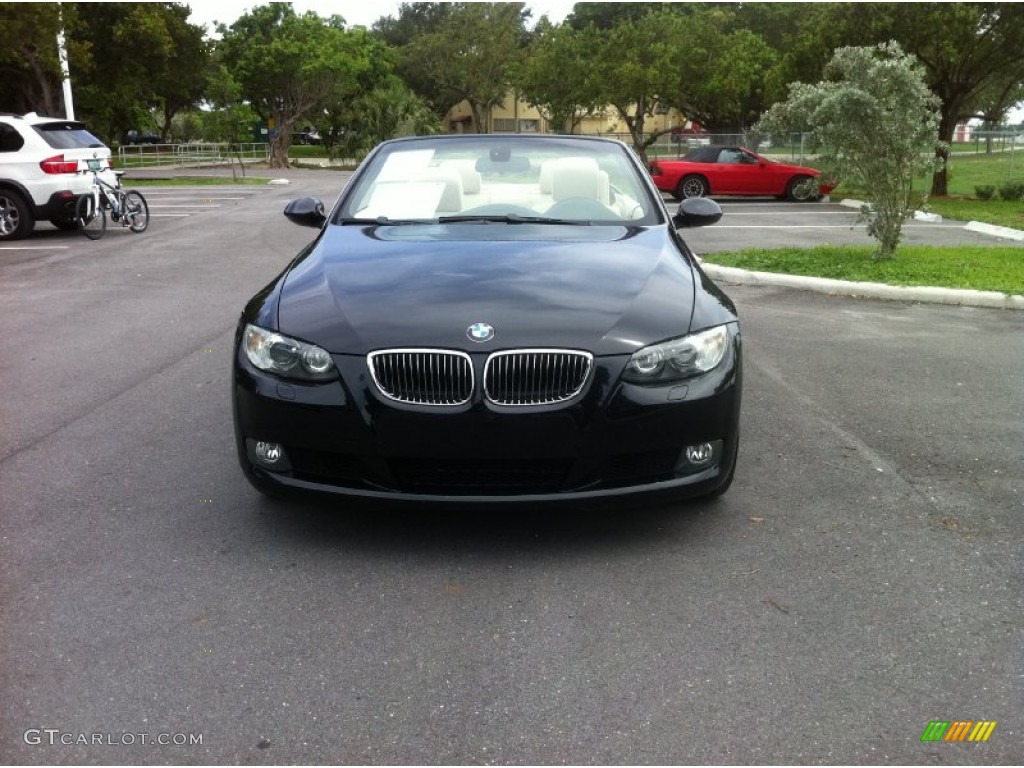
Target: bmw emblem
480,332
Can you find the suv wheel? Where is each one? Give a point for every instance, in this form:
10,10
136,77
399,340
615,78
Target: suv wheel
15,218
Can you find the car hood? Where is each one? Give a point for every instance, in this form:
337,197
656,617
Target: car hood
606,289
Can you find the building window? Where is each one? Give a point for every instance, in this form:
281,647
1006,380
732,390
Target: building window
508,125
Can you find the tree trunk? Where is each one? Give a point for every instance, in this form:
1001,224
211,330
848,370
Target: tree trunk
635,124
45,91
940,180
478,117
280,144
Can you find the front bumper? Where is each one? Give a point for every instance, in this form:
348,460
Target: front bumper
616,441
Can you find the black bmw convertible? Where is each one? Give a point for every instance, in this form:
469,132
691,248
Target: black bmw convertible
492,319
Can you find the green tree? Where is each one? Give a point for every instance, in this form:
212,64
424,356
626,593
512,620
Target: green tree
290,67
337,122
30,74
229,119
469,55
634,67
133,51
414,20
389,111
556,76
690,61
180,83
723,71
608,15
972,53
876,115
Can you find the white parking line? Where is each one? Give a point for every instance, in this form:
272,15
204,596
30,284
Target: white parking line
34,247
187,205
733,212
189,197
169,215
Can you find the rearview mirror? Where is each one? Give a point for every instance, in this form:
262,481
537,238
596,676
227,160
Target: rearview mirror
696,212
306,211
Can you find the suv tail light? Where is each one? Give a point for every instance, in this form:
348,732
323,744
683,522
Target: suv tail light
58,164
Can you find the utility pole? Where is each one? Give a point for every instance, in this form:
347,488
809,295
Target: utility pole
62,54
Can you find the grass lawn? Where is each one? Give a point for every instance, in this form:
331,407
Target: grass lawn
301,151
965,173
980,268
1003,213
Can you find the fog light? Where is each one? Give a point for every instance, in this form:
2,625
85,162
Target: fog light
698,457
700,454
270,453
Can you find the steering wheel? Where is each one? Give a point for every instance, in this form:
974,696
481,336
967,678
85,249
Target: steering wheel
585,208
498,209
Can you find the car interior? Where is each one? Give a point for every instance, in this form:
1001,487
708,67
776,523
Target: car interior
575,188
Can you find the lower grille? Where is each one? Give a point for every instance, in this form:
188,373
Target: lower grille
423,376
627,469
331,468
480,476
536,376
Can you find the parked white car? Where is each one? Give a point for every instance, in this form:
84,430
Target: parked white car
41,160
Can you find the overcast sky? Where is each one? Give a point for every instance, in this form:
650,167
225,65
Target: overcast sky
355,12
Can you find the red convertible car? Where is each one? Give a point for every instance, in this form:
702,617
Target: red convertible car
717,170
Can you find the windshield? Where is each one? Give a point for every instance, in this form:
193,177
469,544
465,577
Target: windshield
501,178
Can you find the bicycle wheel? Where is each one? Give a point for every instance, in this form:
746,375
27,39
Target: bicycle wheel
91,219
136,211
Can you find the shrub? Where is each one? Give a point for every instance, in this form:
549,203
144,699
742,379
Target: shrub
1012,190
984,192
880,92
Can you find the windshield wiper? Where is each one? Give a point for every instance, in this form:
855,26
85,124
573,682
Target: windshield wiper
383,221
504,218
509,218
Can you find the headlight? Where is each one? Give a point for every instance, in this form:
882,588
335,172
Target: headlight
287,357
678,359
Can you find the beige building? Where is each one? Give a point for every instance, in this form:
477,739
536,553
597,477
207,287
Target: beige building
514,115
511,116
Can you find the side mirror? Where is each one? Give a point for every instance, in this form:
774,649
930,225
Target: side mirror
696,212
307,211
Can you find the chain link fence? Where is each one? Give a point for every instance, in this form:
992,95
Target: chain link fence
793,148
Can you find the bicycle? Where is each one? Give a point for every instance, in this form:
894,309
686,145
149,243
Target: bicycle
127,207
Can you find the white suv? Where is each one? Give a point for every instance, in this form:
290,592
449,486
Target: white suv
40,163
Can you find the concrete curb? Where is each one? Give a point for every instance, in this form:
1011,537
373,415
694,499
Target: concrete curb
994,230
950,296
980,227
934,218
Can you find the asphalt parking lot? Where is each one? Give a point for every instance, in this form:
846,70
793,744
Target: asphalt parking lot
761,223
861,579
